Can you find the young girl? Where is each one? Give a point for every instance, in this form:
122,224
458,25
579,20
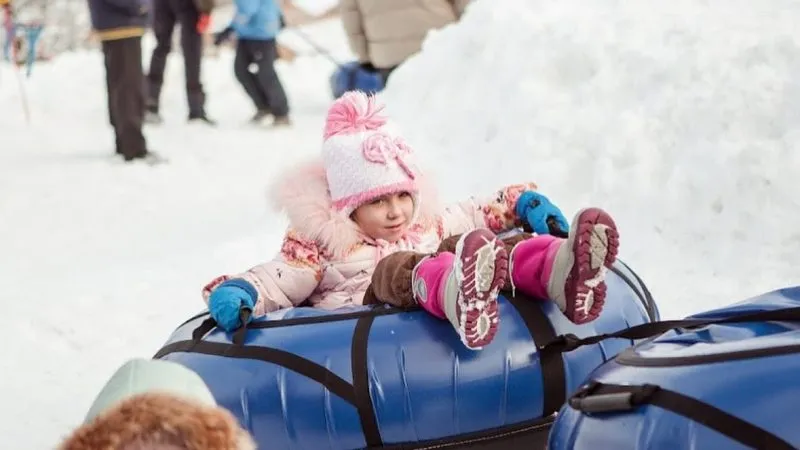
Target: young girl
365,228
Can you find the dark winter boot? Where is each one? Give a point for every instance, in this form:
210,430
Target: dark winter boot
150,158
260,116
204,119
152,117
282,121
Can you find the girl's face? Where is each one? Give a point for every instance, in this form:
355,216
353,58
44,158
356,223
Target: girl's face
386,217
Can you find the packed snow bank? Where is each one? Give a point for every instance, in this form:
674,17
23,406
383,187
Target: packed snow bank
681,118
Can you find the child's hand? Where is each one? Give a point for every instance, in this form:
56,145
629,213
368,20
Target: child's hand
228,299
222,36
542,216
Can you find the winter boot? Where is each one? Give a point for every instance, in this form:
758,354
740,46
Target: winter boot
570,272
463,287
150,158
260,116
202,119
281,121
153,118
151,114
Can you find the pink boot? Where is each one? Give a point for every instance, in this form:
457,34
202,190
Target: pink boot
463,287
570,272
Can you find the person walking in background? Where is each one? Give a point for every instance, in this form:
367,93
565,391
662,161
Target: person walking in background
194,18
256,25
120,24
384,33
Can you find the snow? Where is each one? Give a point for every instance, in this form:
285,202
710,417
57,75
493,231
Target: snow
679,118
316,7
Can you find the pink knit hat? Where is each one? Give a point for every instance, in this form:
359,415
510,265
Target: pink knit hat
364,159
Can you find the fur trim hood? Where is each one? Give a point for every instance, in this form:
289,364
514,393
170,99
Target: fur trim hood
303,194
161,421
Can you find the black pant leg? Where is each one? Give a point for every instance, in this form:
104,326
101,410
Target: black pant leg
126,93
107,59
265,55
248,80
163,26
192,47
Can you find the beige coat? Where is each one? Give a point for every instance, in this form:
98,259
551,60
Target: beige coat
387,32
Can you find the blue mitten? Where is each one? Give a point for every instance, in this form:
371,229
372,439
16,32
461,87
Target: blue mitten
534,209
228,299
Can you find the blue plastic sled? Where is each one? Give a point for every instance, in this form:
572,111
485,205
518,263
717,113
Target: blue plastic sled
351,76
732,384
381,377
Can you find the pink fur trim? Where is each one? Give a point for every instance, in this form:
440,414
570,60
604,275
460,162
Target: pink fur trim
302,193
354,201
353,112
429,208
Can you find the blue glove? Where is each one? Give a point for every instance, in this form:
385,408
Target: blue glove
534,209
227,300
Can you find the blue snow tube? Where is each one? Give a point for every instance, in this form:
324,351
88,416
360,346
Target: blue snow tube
351,76
725,379
381,377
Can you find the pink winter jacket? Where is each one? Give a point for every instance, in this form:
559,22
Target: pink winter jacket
327,261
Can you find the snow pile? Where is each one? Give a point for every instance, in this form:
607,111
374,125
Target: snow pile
681,118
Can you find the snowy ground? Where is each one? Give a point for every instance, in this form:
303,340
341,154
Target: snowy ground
679,118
